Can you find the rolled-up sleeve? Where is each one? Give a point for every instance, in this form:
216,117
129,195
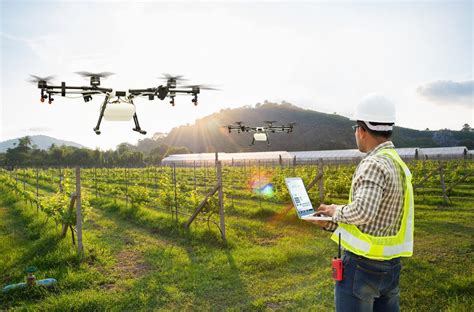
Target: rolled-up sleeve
366,195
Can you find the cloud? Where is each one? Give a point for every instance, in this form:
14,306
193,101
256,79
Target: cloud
448,92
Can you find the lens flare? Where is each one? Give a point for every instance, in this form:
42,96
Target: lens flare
262,185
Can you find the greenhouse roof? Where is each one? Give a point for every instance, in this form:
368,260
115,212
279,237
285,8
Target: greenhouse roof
348,154
454,150
228,156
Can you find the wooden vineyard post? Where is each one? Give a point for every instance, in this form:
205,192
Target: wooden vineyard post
221,199
147,180
443,184
194,173
319,178
155,176
60,180
175,193
205,179
259,185
24,180
95,181
217,189
126,187
321,182
80,248
37,190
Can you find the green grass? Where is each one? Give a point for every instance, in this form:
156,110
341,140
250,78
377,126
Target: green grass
137,258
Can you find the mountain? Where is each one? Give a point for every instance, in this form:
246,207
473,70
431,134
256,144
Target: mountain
41,141
313,131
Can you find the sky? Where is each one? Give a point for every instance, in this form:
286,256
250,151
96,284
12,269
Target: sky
323,56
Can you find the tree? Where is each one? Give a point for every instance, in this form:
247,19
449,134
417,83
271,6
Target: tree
19,154
177,150
125,147
466,127
444,138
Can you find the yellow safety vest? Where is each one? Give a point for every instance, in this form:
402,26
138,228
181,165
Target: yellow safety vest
382,247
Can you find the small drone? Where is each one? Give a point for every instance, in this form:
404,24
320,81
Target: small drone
118,105
261,133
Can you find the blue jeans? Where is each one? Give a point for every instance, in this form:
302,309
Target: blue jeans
368,285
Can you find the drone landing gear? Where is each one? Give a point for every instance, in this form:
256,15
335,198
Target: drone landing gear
137,125
102,110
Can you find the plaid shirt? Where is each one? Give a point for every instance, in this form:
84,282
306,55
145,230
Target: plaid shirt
377,196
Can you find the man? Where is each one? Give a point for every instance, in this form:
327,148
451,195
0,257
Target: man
376,226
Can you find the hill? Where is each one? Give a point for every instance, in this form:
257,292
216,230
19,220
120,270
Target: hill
41,141
313,131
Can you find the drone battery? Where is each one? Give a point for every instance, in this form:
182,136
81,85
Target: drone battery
119,111
260,136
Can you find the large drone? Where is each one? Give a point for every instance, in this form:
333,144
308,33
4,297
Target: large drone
261,133
118,105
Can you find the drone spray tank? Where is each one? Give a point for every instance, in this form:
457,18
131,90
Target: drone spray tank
259,137
119,110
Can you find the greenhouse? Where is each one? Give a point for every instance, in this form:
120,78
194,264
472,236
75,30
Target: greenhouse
330,156
454,152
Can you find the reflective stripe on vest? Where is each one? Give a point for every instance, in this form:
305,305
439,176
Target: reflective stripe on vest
383,247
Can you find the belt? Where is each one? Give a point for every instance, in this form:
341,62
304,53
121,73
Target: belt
391,261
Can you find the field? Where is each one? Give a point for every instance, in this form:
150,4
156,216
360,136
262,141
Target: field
139,256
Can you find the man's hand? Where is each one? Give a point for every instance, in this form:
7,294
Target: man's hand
327,210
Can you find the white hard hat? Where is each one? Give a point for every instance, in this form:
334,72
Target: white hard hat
377,108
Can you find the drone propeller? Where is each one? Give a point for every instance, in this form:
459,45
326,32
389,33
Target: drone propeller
36,79
239,123
99,75
269,122
201,87
95,77
171,77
